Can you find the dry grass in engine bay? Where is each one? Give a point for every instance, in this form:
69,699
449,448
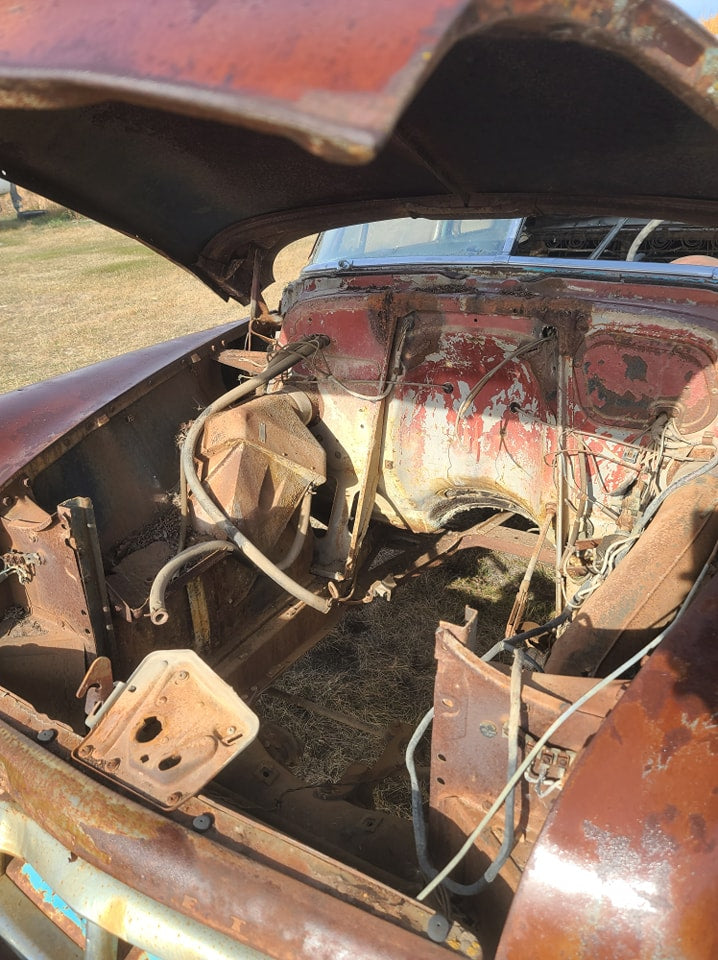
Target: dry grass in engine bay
378,665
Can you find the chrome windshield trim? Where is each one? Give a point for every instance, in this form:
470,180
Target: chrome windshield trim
619,270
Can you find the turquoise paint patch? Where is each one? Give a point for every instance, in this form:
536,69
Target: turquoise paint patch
53,900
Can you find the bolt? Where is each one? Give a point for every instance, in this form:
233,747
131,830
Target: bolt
46,736
113,764
203,822
182,675
231,730
438,928
488,729
174,798
85,750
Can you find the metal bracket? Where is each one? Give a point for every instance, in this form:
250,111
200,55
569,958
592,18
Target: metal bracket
169,729
96,687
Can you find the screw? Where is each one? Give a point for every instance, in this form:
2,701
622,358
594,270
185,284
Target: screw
203,822
182,675
46,736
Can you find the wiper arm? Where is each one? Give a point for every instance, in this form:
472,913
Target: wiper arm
611,235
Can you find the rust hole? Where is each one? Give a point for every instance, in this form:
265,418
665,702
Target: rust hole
168,762
150,728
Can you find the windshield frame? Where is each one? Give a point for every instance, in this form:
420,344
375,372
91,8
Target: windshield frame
506,262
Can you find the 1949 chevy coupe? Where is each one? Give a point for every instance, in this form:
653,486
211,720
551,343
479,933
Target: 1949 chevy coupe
507,338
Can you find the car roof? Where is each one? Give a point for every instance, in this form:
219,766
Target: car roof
217,131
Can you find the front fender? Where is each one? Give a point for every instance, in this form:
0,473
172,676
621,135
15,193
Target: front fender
35,417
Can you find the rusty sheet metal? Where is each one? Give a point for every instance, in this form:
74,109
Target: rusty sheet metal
241,897
205,60
37,417
626,864
142,740
362,334
627,378
187,85
237,832
469,754
104,907
56,591
258,461
274,636
505,453
642,594
471,703
337,105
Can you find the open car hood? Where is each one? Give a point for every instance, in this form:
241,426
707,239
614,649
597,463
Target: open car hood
213,130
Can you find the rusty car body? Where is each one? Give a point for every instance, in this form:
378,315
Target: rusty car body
561,408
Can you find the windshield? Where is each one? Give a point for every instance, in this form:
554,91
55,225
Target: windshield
597,238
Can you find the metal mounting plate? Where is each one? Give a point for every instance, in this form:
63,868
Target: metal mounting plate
169,730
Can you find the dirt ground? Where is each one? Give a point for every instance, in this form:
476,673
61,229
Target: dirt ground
75,292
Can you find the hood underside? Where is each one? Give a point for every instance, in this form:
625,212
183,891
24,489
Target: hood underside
215,130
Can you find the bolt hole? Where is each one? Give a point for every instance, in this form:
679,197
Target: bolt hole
149,729
441,757
440,780
169,762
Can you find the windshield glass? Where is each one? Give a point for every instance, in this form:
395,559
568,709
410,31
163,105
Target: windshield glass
596,238
417,238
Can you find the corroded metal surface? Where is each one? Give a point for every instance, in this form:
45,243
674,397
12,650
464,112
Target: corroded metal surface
258,461
142,739
626,865
241,897
471,711
44,418
469,753
643,593
443,457
350,83
303,86
237,832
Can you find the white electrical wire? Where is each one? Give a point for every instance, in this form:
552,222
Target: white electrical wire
558,722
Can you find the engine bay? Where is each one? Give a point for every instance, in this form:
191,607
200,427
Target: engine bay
171,560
